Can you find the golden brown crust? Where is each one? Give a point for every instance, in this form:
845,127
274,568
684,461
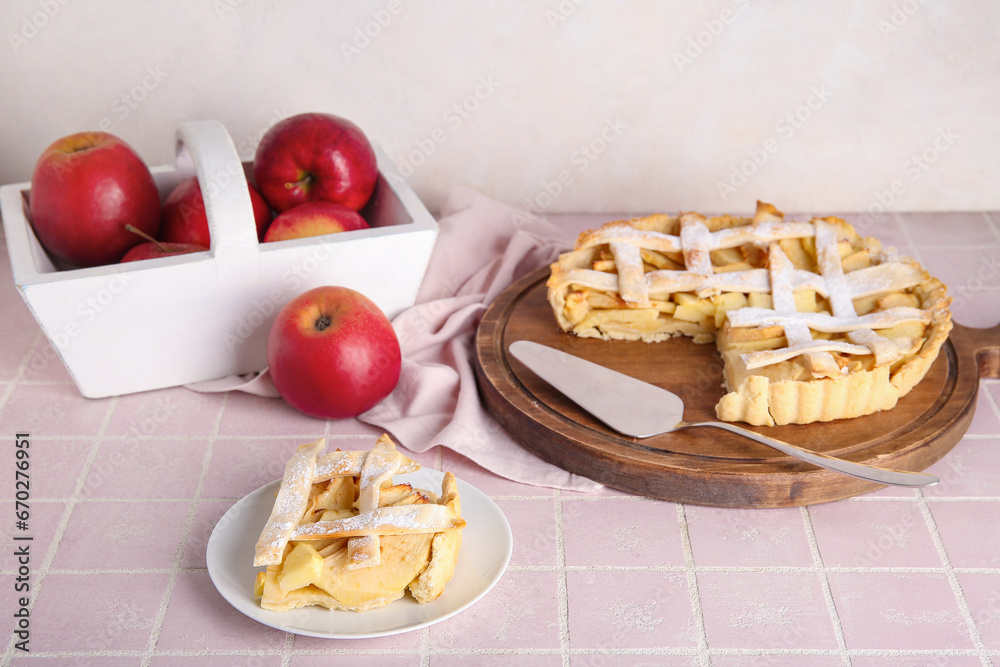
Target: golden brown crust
444,550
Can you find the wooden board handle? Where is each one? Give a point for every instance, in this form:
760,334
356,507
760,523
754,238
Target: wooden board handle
982,344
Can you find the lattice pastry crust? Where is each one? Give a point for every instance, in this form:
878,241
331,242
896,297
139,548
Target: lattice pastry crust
813,321
341,535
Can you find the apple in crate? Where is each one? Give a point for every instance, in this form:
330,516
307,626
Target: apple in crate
85,189
332,353
152,248
315,157
314,219
184,219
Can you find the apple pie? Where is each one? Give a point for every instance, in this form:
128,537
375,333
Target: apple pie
342,535
813,321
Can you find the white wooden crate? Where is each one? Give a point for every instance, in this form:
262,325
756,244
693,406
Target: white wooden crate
165,322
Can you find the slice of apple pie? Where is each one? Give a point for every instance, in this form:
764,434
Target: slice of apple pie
341,535
813,321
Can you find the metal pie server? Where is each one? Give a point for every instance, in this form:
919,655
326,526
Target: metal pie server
640,410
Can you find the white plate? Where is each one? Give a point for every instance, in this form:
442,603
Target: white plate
486,548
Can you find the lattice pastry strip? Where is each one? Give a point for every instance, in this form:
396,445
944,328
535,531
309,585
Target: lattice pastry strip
631,279
289,504
696,242
395,520
381,463
883,319
350,464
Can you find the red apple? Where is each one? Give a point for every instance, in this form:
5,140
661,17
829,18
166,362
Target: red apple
314,219
332,353
315,157
152,248
85,188
184,219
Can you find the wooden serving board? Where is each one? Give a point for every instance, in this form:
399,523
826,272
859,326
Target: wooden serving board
709,466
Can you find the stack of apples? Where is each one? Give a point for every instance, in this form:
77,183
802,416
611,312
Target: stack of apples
93,200
332,353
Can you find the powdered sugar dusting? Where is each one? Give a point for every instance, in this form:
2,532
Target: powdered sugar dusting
380,464
625,233
396,519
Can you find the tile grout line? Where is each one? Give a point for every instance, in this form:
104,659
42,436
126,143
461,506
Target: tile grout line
562,588
857,499
340,438
693,590
857,653
425,647
715,569
956,587
909,238
272,438
990,399
38,577
286,649
194,503
990,224
824,579
19,374
179,438
763,652
953,246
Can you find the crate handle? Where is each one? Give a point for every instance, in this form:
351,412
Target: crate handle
206,146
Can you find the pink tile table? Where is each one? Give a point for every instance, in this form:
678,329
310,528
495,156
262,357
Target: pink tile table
126,490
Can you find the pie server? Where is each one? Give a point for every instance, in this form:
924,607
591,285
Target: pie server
640,410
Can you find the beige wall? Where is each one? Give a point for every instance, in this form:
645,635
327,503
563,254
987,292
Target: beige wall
561,105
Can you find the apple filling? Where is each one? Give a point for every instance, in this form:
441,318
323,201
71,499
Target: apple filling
342,535
813,321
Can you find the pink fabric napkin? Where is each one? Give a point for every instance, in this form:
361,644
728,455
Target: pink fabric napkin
482,247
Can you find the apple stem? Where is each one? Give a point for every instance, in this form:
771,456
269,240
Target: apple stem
146,236
322,322
306,179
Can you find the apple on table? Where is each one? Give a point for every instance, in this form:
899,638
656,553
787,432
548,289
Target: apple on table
332,353
315,157
314,219
85,188
184,219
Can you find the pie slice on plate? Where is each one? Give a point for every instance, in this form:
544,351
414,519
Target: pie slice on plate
341,535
